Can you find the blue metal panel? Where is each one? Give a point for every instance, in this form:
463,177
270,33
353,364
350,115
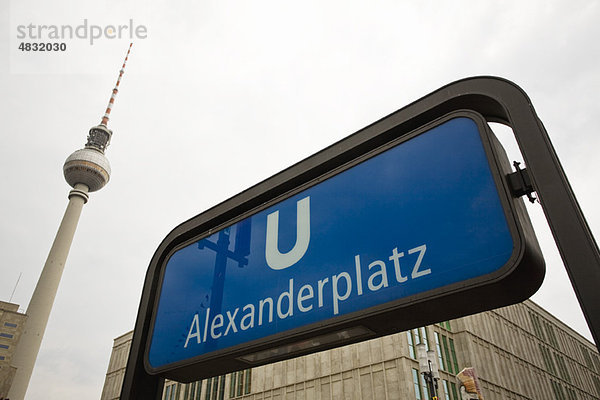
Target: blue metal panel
419,216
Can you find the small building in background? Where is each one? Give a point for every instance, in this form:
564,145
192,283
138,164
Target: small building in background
519,352
11,327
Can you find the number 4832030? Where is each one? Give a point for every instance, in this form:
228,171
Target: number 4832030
42,46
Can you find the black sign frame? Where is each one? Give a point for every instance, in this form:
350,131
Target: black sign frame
497,100
515,281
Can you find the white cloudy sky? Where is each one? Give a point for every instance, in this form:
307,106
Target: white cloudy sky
223,94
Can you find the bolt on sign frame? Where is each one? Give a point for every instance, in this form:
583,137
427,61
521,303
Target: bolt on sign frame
480,100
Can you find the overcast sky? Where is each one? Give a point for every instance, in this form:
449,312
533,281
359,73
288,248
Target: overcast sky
220,95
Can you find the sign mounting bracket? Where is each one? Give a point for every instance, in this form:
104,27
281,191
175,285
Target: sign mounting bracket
520,183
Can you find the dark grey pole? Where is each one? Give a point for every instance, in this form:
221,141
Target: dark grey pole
499,100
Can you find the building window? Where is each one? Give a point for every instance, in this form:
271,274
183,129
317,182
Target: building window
208,388
447,359
221,387
559,394
3,346
411,345
450,392
438,348
425,387
6,335
167,395
240,383
586,357
562,367
248,382
172,392
192,391
547,359
189,391
423,337
215,388
537,327
186,391
453,354
597,384
596,362
446,325
415,337
2,358
10,325
551,335
454,391
232,384
446,390
198,391
417,387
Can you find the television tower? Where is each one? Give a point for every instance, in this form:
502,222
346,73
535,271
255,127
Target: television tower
86,170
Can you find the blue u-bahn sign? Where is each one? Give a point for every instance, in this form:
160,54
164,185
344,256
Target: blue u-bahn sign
412,231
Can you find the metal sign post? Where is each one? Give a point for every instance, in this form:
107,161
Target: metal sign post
233,336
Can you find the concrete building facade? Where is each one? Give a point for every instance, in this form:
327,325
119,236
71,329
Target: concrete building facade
11,328
116,366
519,352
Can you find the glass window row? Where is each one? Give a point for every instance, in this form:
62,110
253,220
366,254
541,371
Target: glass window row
240,383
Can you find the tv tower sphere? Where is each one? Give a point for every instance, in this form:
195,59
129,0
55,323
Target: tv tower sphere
89,166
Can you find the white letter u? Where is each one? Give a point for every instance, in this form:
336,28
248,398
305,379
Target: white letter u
275,259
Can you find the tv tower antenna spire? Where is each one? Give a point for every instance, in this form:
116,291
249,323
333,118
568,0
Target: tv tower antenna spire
86,170
111,102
